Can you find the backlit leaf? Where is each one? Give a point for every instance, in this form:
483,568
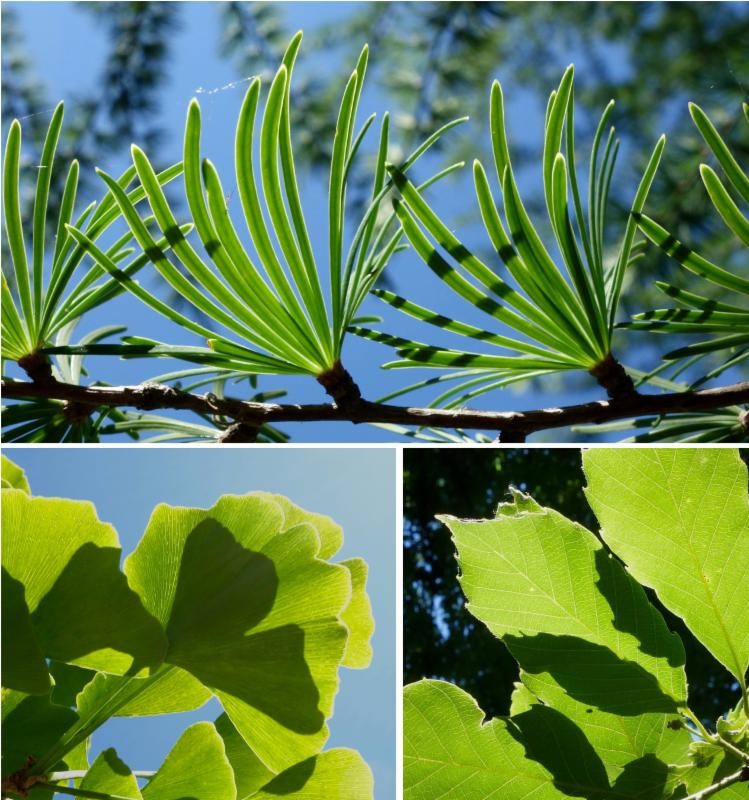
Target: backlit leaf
679,519
251,612
196,767
81,606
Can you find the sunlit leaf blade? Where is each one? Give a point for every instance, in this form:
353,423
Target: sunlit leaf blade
568,612
168,691
176,691
691,260
679,519
13,477
12,216
110,775
450,752
44,177
714,141
328,530
196,767
235,580
250,774
358,617
724,204
567,310
337,774
82,609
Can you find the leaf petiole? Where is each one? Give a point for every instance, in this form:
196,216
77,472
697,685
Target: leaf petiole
81,792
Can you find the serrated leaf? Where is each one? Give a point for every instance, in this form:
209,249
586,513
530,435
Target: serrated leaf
12,476
679,519
252,613
451,752
589,643
110,775
82,609
568,612
196,767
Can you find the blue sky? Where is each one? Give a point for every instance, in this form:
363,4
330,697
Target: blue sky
354,486
67,47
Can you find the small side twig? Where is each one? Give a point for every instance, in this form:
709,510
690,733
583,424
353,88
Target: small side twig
723,783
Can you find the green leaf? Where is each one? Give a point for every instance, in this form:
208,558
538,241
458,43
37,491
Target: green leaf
358,617
589,643
250,774
569,613
196,767
334,774
12,476
31,725
82,609
176,691
23,664
735,174
337,774
234,580
679,519
450,752
110,775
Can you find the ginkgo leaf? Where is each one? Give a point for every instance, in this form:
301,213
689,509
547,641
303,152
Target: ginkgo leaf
196,767
23,664
110,775
250,774
168,691
252,613
82,609
450,752
31,725
679,519
12,476
358,617
338,774
329,531
568,612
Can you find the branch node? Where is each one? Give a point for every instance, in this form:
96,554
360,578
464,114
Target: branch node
512,436
75,412
155,395
240,433
21,781
612,376
744,420
339,384
38,367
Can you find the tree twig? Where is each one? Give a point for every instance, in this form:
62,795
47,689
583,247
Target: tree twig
513,424
729,780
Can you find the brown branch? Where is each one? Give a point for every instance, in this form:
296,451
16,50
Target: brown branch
512,425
